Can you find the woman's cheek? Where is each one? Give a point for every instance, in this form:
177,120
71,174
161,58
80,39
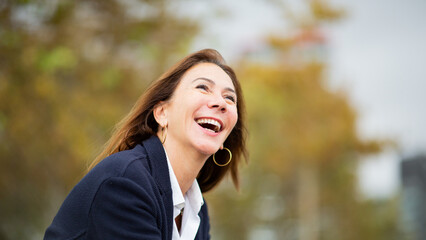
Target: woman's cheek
234,118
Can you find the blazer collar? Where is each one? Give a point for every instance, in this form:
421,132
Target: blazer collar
160,172
158,161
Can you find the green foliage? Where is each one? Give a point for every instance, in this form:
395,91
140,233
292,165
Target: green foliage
60,58
321,10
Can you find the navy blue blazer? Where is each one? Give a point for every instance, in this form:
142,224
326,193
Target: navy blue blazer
126,196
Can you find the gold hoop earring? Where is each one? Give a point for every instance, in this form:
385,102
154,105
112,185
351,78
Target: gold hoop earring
164,135
230,157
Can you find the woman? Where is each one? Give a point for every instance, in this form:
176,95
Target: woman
179,140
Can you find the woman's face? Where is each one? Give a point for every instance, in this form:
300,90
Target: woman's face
202,111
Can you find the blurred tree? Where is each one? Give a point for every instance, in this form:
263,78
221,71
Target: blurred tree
303,145
68,71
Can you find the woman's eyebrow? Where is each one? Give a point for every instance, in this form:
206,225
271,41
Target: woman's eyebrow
213,83
205,79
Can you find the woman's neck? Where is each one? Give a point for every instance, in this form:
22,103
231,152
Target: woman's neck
186,164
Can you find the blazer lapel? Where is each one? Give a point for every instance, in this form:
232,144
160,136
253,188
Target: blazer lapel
160,172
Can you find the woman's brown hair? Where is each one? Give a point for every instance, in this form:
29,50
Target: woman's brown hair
140,124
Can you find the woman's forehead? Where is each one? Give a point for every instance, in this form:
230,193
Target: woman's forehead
209,72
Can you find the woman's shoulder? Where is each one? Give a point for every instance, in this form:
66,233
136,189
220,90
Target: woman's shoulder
119,164
129,167
146,156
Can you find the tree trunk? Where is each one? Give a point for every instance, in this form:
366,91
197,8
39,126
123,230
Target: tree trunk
308,227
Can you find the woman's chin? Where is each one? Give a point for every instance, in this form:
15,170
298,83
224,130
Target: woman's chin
207,150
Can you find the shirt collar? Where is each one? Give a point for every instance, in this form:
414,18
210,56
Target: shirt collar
195,197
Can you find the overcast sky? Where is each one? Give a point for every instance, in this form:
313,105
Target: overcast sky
378,54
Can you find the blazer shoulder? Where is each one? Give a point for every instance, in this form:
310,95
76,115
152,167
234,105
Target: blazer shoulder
118,163
72,217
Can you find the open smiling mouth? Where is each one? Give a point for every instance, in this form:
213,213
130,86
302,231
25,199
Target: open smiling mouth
209,124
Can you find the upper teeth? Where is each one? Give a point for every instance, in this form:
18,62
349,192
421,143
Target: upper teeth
210,121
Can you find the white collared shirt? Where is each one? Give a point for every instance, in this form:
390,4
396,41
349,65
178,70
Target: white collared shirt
191,202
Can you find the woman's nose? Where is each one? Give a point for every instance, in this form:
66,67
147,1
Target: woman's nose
218,103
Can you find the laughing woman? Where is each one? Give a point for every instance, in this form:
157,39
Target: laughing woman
184,134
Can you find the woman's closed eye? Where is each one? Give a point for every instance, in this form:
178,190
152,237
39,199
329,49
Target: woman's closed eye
230,98
203,87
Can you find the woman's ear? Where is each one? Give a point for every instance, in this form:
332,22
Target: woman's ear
160,114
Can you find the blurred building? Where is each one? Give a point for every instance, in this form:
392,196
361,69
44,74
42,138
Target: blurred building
413,172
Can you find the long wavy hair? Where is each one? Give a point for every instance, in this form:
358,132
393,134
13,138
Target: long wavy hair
140,124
